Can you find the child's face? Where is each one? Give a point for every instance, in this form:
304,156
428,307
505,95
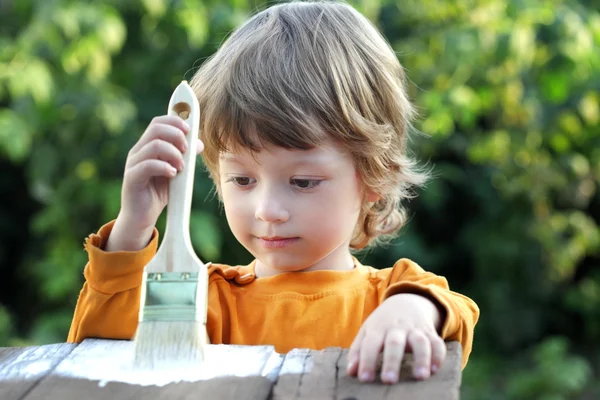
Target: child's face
293,210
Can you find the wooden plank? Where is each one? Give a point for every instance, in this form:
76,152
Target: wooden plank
21,368
296,364
308,375
60,388
322,375
97,369
102,369
445,385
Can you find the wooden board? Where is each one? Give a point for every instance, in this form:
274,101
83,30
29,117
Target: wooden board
101,369
21,368
324,377
66,371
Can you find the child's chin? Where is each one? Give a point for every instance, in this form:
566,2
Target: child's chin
285,263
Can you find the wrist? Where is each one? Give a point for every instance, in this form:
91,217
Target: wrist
125,238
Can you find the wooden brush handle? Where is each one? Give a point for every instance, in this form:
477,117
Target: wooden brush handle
176,245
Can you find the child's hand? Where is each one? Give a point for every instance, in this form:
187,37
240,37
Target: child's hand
403,322
151,163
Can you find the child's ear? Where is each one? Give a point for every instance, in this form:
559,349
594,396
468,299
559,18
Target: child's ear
372,197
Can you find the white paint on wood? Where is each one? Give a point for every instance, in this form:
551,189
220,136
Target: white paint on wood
31,362
297,361
112,361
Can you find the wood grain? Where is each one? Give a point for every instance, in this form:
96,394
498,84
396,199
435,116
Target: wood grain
93,371
59,388
61,371
324,377
444,385
21,368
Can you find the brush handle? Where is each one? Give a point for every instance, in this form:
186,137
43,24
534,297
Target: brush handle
176,247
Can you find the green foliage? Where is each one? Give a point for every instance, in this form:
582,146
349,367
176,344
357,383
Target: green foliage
555,375
507,93
5,325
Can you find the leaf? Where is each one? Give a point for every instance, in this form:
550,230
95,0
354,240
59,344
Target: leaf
15,135
522,44
555,85
98,66
156,8
494,148
116,110
439,123
192,16
80,53
589,108
31,77
66,19
112,31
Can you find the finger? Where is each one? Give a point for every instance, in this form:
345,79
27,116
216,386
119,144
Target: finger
370,348
166,132
393,353
148,169
421,349
354,354
438,351
173,120
158,150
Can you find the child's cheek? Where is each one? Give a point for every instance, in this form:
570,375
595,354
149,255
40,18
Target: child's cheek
237,212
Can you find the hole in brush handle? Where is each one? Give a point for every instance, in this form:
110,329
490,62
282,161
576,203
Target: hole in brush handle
182,109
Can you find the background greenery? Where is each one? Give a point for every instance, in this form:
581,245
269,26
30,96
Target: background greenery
507,90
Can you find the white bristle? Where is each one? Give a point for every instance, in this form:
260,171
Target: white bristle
160,344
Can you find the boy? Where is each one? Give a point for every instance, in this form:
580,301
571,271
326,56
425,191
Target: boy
304,125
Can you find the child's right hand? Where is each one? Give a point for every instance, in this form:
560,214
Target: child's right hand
151,163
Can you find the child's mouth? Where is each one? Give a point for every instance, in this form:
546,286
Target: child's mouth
276,241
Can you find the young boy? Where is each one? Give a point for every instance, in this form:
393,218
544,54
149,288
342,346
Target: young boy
304,125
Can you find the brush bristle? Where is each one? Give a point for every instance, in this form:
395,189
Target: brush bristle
159,344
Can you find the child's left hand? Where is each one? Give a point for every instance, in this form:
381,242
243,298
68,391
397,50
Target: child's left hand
402,323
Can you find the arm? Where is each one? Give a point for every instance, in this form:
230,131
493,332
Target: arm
109,301
458,313
415,308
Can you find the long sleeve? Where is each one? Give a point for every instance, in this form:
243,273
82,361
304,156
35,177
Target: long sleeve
109,301
461,313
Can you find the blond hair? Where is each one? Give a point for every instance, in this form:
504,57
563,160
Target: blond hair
299,74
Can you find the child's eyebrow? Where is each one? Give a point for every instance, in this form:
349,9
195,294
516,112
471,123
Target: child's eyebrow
230,157
304,160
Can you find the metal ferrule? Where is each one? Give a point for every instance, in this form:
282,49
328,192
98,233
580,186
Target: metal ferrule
170,296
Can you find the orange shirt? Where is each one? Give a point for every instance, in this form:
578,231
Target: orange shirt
315,309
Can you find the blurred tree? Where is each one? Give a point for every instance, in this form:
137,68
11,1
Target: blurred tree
508,96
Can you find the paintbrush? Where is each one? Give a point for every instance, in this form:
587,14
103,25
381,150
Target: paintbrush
172,318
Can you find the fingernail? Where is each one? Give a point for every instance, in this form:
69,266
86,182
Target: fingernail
389,376
173,171
366,376
351,365
421,373
187,126
434,368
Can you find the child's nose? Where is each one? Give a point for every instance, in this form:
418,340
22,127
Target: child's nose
270,209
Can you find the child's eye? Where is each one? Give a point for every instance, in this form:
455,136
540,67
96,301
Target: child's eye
241,181
305,183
